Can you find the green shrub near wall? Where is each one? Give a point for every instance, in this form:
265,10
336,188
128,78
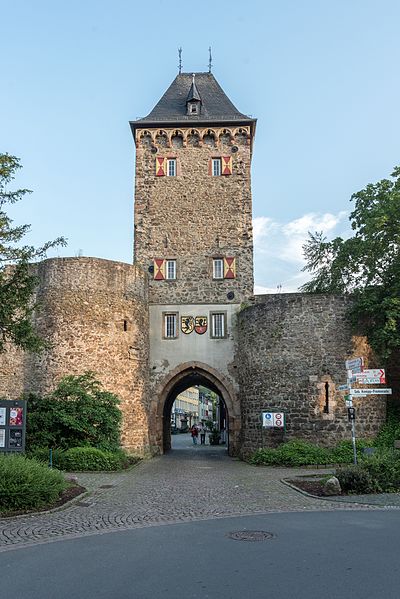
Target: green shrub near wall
302,453
292,453
27,484
82,459
90,458
78,413
379,473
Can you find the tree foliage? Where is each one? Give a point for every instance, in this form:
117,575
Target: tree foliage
367,265
79,412
17,282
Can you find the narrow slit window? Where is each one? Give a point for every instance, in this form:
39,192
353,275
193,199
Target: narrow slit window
125,325
326,406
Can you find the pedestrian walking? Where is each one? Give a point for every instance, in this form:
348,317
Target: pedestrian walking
195,433
202,434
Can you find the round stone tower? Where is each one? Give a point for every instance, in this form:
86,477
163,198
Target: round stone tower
93,314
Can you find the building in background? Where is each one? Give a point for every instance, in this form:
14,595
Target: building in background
185,410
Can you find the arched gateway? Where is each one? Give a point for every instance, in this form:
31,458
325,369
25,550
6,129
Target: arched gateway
184,376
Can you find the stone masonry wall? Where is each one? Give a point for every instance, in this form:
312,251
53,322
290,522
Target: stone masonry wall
290,346
194,216
94,314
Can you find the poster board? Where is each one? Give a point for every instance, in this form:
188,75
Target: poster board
12,425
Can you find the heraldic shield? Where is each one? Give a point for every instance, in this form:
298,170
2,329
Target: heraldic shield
200,324
187,324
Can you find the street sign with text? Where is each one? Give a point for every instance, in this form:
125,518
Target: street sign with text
364,392
371,376
355,364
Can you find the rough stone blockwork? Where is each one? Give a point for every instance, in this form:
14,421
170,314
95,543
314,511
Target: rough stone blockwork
94,314
292,349
194,217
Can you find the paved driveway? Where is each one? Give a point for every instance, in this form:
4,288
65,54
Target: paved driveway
188,484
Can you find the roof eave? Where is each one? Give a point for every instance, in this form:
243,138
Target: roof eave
143,124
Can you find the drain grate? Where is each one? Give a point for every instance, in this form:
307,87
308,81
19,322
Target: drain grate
83,504
251,535
106,487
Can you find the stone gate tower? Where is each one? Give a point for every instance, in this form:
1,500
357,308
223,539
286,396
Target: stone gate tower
193,235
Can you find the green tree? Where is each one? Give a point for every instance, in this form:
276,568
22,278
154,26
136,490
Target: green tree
367,265
17,281
79,412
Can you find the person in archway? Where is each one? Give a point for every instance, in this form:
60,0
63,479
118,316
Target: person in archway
202,434
194,431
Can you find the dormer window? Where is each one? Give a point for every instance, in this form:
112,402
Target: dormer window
193,100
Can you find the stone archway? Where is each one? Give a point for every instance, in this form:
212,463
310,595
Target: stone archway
180,378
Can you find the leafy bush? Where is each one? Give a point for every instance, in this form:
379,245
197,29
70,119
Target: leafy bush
266,456
27,484
389,432
384,468
90,458
356,479
302,453
42,454
81,459
343,452
78,413
378,473
292,453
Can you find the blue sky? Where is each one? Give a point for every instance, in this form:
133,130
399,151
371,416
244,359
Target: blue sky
321,77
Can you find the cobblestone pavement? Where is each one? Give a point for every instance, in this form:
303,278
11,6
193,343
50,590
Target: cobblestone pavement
189,483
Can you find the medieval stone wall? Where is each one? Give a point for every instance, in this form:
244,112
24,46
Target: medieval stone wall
94,314
194,216
291,355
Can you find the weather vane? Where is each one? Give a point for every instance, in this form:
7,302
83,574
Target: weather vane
210,60
180,60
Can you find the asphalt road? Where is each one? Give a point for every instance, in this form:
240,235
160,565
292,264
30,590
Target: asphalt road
329,555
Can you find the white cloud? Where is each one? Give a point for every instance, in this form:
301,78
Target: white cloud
262,225
278,248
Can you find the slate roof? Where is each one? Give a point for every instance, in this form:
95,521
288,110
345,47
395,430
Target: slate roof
215,104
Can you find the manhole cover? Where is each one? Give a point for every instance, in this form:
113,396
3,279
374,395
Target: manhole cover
251,535
83,504
106,486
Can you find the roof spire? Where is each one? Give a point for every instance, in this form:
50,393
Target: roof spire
209,60
180,60
193,91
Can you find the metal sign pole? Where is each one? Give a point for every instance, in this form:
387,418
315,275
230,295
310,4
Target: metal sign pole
353,423
353,438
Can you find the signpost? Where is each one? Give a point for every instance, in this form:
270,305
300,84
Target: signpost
357,374
271,421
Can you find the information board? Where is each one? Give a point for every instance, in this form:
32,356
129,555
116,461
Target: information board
12,425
